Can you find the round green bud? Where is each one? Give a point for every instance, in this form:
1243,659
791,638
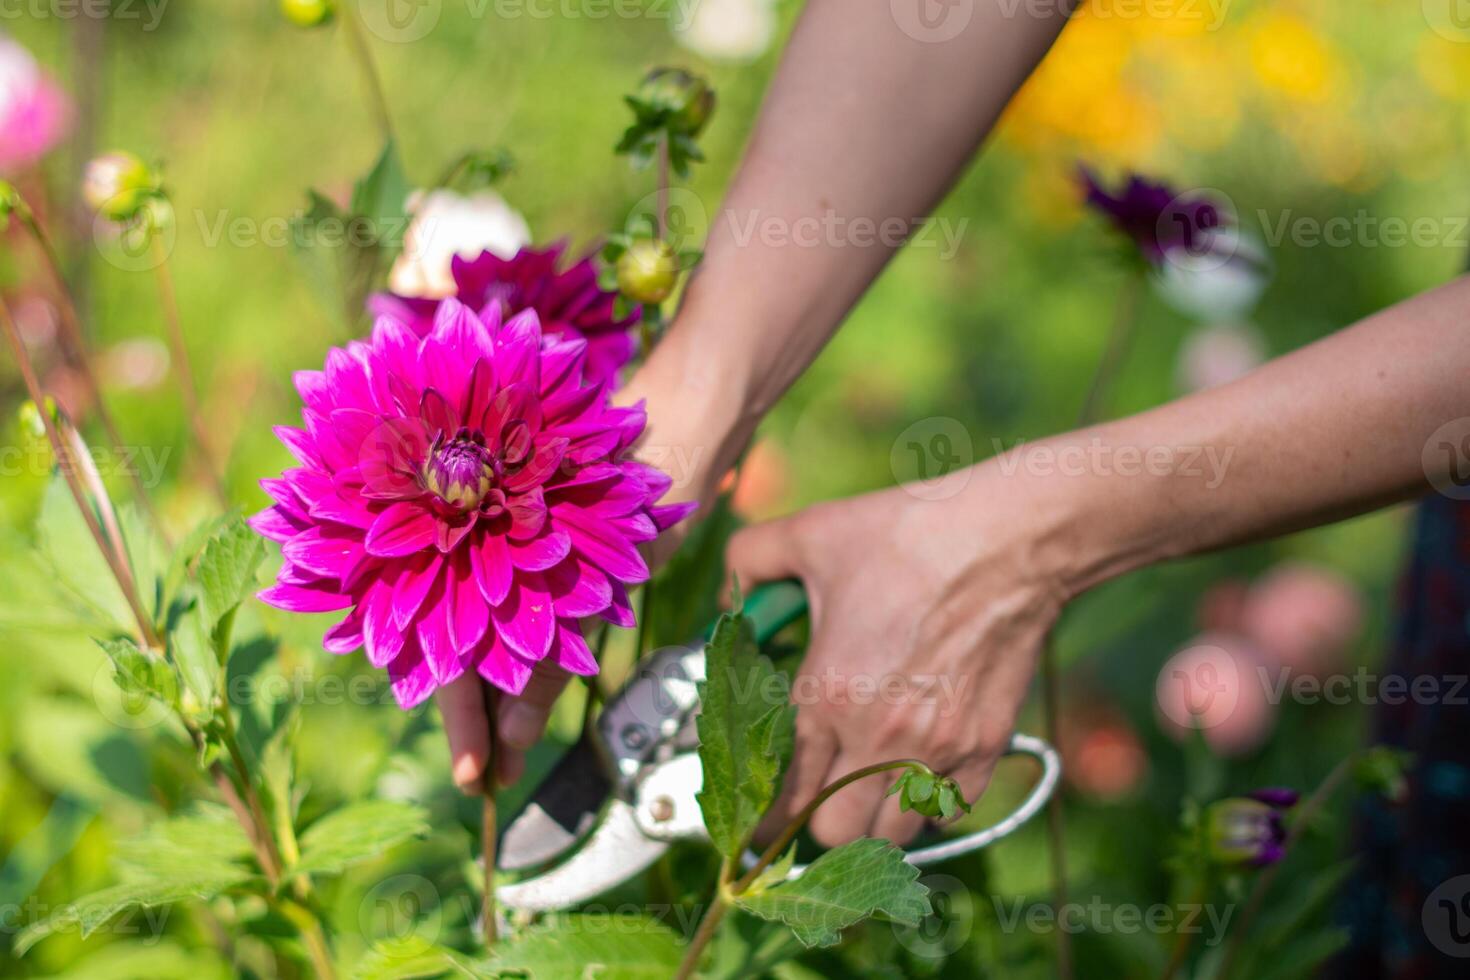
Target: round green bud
9,200
117,184
308,13
686,97
648,271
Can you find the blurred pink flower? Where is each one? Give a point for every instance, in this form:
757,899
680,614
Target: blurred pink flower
1214,684
1102,755
34,112
1303,617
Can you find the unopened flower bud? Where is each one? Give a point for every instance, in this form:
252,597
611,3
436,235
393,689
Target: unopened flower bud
8,199
648,271
308,13
117,184
686,97
1248,831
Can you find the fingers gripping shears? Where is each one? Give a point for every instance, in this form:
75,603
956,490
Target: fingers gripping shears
626,791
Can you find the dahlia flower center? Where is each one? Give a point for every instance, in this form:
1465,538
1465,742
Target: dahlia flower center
460,471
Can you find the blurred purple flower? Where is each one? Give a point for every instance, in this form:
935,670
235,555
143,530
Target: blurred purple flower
1153,216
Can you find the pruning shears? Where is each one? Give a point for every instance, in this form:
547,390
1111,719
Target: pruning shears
626,791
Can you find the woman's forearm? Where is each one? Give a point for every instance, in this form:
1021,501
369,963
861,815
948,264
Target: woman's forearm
864,129
1332,430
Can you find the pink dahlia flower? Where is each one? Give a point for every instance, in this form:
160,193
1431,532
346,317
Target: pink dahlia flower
569,302
466,495
33,111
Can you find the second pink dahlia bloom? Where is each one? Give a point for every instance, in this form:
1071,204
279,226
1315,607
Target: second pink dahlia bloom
568,301
33,111
467,497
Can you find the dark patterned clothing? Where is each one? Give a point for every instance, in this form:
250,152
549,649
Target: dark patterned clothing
1408,904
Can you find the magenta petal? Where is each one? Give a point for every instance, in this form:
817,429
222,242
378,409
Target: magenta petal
412,679
526,620
436,641
470,615
401,529
382,637
502,667
490,560
346,636
323,552
578,589
667,515
527,514
275,524
304,598
541,552
620,612
571,650
540,467
413,584
300,445
602,545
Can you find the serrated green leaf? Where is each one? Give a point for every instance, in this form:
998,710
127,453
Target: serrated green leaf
745,734
358,832
193,652
604,947
226,570
207,841
865,879
92,912
410,958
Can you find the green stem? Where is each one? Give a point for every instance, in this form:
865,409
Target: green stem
779,845
70,467
362,54
1302,819
707,927
1183,940
1125,317
489,830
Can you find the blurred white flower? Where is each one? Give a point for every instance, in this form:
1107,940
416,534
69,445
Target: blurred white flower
728,30
1222,282
446,224
1217,355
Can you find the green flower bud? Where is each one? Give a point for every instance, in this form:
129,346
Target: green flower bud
686,98
926,792
117,184
9,201
309,13
648,271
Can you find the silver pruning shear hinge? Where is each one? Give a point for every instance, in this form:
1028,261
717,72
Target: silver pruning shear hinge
622,795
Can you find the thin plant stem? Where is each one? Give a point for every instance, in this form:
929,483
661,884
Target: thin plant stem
782,841
1119,340
1303,818
362,55
1183,941
69,469
489,828
645,607
75,346
664,182
183,370
707,927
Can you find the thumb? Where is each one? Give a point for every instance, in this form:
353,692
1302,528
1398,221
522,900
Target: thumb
764,553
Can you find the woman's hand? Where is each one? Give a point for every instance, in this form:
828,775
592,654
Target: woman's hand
927,617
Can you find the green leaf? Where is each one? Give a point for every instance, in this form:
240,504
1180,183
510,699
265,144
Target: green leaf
207,842
67,546
157,961
865,879
141,675
605,947
92,912
72,747
227,568
194,653
381,196
745,734
410,958
358,832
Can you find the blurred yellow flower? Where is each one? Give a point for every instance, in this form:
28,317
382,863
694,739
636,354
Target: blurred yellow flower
1444,66
1291,59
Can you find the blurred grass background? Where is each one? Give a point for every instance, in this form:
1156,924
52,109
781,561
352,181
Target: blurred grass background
1307,108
